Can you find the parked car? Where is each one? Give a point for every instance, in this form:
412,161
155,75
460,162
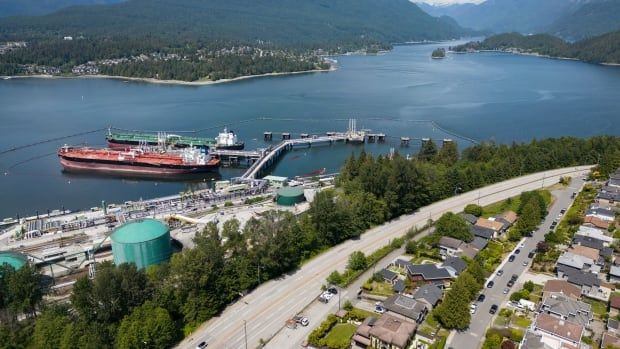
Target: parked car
379,309
506,290
500,272
202,345
531,254
481,298
517,251
525,263
563,211
510,283
300,319
522,245
511,258
514,277
472,308
332,290
493,309
490,284
359,293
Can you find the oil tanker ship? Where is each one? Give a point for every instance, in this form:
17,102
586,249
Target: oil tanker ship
125,140
137,161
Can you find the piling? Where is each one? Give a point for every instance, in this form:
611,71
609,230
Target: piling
268,136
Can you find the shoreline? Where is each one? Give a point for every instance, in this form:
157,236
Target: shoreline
169,82
534,54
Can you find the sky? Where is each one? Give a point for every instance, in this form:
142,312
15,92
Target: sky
449,2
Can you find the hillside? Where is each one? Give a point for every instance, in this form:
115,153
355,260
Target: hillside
591,19
42,7
600,49
280,21
524,16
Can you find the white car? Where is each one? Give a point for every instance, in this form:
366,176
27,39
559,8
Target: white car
506,290
327,295
472,308
522,245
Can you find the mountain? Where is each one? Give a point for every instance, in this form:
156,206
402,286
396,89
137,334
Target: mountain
41,7
524,16
599,49
280,21
590,19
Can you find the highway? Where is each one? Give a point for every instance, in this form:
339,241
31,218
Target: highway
266,309
473,337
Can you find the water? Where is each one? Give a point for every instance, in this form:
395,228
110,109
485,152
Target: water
484,96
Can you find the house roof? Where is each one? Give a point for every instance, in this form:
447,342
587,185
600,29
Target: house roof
399,286
609,189
388,274
450,242
601,211
392,330
468,250
479,243
469,217
482,232
614,183
560,328
364,328
614,270
609,340
588,241
405,306
428,271
613,324
505,224
609,196
582,278
614,301
595,221
430,293
510,216
607,252
595,233
489,224
456,263
402,263
532,340
574,260
584,251
570,309
563,287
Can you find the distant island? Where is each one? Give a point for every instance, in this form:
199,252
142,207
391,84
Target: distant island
602,49
208,41
439,53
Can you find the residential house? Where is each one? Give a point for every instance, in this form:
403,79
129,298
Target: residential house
614,273
570,262
481,232
557,333
614,305
429,294
407,307
399,286
429,273
566,308
509,216
609,340
562,288
490,223
607,198
613,326
388,276
479,243
402,264
594,243
592,221
585,251
391,332
605,214
455,265
449,247
469,251
595,233
591,286
470,218
536,340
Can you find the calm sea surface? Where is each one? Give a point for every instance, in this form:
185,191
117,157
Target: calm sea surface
483,96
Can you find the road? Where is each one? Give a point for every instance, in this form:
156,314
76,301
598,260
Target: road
266,309
473,337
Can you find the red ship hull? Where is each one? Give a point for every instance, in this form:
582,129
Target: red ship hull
118,162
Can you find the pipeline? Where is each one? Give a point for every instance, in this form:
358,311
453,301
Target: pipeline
48,141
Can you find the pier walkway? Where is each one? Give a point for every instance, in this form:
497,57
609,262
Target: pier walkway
272,155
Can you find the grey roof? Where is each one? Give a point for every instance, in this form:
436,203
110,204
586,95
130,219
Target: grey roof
582,278
608,189
532,340
479,243
505,223
469,217
399,286
613,324
450,242
614,271
574,260
614,182
601,211
428,271
456,263
481,231
402,263
609,196
570,309
388,274
430,293
405,306
588,241
607,252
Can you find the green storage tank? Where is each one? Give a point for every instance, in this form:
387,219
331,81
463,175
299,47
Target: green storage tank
143,242
289,196
16,260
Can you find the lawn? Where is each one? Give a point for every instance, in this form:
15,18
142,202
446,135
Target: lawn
492,255
536,294
565,230
598,308
510,204
521,321
381,288
340,336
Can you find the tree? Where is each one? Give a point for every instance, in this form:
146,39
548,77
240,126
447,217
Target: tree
508,344
334,278
542,247
453,225
529,285
24,290
428,150
147,326
50,326
492,341
473,209
453,312
357,261
411,247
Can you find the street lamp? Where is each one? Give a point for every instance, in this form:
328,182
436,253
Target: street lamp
245,333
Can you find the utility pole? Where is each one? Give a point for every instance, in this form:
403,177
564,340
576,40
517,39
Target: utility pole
245,333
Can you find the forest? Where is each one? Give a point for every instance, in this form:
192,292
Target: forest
599,49
127,308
